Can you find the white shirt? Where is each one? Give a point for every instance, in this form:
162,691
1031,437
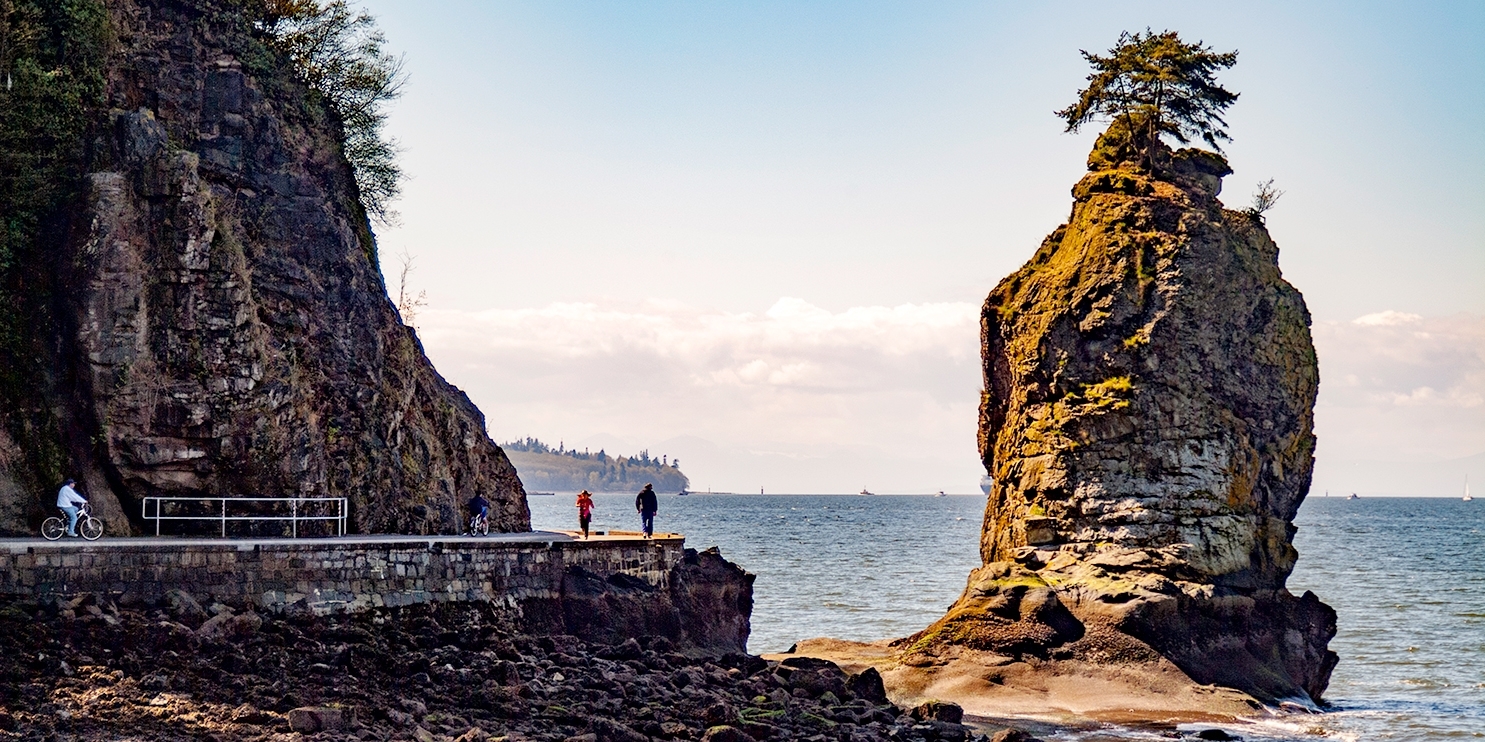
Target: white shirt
68,496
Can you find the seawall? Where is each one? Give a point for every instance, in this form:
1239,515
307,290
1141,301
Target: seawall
329,575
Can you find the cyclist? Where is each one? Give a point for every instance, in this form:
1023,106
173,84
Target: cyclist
479,509
67,502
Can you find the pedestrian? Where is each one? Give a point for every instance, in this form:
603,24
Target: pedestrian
67,501
585,510
646,504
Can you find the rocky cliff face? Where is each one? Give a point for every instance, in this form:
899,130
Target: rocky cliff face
1147,420
213,321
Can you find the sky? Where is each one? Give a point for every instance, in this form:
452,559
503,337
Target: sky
755,236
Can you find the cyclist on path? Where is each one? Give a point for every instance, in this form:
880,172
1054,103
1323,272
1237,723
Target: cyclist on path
479,507
67,501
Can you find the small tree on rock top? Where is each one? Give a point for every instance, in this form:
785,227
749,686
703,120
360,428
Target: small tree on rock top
1150,85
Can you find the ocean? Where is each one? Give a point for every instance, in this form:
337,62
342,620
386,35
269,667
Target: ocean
1405,575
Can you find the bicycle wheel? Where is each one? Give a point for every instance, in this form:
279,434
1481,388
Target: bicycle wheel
482,528
53,528
91,528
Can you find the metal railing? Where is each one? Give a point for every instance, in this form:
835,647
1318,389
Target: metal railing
295,516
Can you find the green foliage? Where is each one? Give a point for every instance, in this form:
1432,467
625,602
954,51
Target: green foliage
52,55
1152,85
1264,199
341,55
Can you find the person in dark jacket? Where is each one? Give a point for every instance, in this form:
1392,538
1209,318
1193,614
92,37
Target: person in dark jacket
479,508
646,504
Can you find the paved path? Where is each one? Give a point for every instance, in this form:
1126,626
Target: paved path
543,537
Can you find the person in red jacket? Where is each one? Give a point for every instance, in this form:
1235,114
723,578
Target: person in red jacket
585,510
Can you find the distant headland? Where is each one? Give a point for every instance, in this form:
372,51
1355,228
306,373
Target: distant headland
561,469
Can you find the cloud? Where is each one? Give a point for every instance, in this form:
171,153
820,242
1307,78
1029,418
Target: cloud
1399,387
1388,318
890,389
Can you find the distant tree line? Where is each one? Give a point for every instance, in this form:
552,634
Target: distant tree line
545,468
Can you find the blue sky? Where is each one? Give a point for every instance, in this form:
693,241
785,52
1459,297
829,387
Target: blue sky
690,166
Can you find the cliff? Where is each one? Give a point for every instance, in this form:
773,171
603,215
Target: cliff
189,296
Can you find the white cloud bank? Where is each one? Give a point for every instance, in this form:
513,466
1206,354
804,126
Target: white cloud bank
1402,403
804,399
798,398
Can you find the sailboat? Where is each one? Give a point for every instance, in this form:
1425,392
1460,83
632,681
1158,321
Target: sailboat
1467,497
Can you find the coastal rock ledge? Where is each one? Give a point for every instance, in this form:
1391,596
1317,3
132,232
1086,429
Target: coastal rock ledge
1148,421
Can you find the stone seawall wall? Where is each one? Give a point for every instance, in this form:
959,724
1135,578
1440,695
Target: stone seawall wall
329,575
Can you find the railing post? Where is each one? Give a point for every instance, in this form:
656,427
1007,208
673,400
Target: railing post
224,517
294,517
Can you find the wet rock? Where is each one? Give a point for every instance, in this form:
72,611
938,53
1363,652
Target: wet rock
228,626
311,719
867,686
938,711
718,714
723,733
1216,734
183,608
1012,735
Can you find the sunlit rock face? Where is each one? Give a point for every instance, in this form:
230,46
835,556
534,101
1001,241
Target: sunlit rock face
222,328
1148,422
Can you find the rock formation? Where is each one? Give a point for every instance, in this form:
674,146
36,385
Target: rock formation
1147,419
211,318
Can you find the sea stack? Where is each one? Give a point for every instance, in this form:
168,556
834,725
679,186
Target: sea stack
198,310
1148,421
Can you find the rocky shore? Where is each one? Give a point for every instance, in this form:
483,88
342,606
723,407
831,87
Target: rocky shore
93,669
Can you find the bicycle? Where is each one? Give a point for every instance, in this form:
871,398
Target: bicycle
479,525
88,527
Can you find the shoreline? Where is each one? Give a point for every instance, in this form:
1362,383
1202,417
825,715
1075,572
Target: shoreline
1048,696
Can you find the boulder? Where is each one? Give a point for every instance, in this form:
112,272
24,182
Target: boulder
938,711
184,608
312,719
724,733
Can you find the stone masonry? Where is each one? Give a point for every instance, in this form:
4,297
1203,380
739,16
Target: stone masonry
329,575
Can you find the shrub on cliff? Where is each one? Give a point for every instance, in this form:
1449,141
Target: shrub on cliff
1151,85
341,56
51,82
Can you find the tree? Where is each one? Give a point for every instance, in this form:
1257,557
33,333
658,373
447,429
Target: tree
1151,85
340,54
1264,199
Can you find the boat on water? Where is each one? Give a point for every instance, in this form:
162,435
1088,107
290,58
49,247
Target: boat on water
1467,497
1353,497
682,493
940,494
865,492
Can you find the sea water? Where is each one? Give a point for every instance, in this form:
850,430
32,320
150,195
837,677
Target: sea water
1405,575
